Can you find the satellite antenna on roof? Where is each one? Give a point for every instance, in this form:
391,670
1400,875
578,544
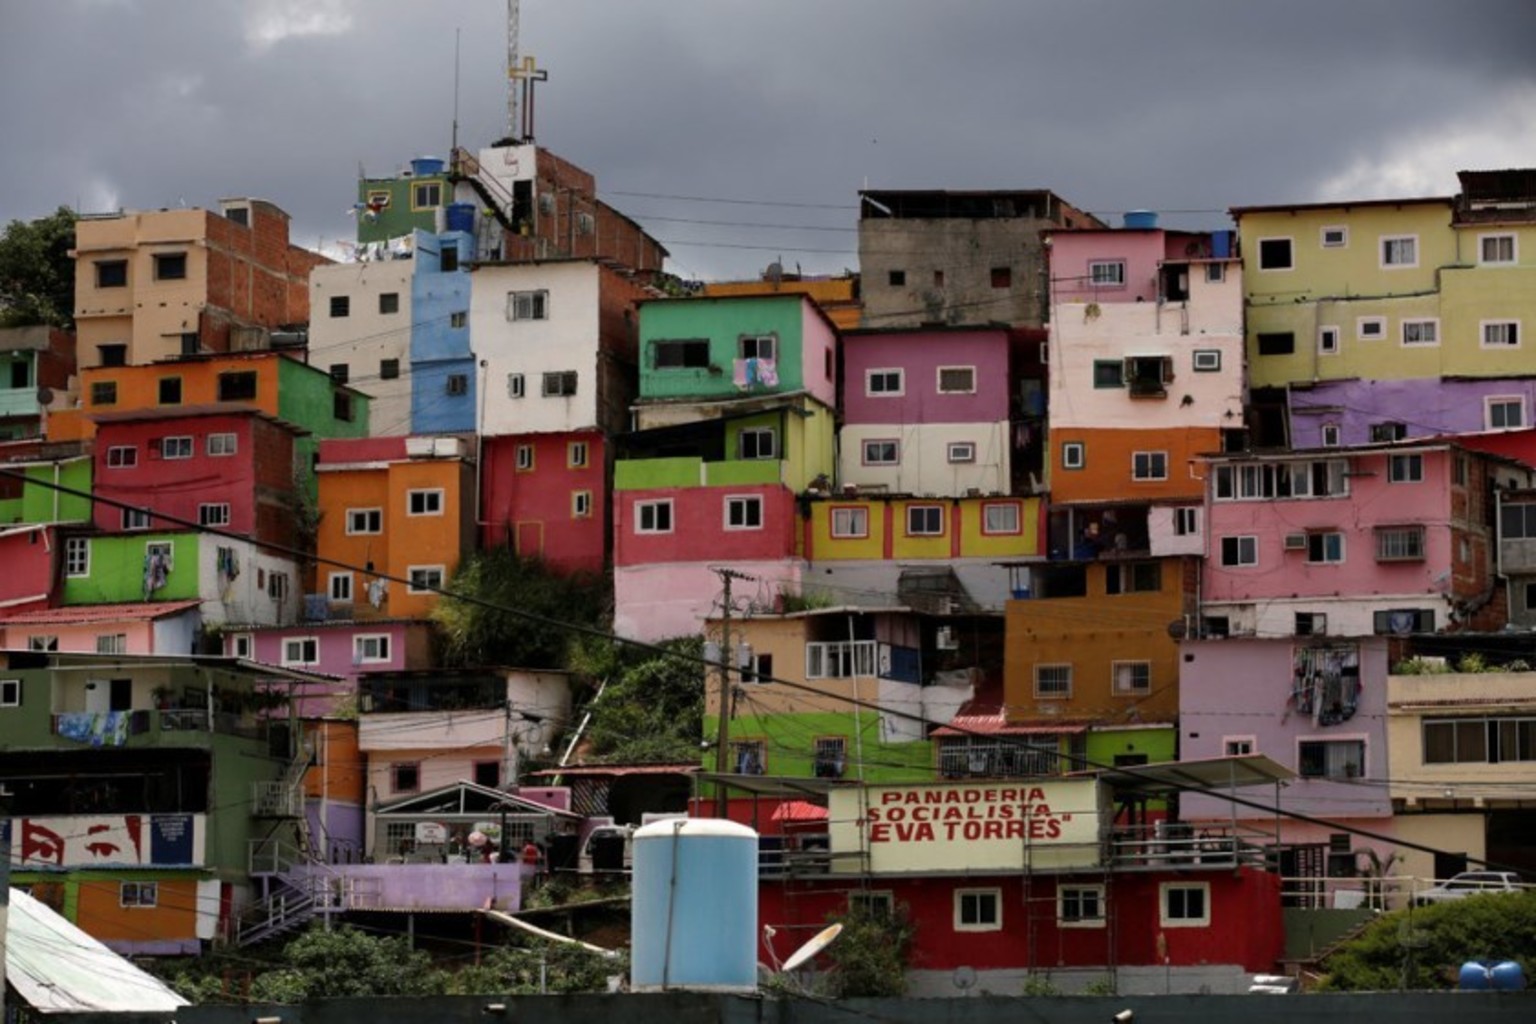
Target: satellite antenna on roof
818,942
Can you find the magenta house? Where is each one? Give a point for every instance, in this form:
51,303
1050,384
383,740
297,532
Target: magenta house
342,649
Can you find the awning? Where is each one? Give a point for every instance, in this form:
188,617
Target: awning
1213,774
775,785
798,810
996,725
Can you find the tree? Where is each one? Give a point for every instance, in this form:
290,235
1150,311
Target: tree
869,958
37,274
1425,946
652,710
478,632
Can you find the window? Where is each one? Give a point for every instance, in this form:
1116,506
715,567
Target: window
1131,678
277,585
896,278
560,384
1000,517
1491,249
77,556
760,671
135,519
1186,522
757,443
1330,435
1108,373
978,910
139,894
1053,681
340,588
1504,412
653,516
581,504
1331,759
1385,433
744,513
1207,360
680,354
1371,328
1215,273
749,757
426,194
1073,455
1275,254
365,520
1106,273
122,456
1148,376
1459,470
213,514
1421,332
850,522
925,520
1133,578
424,502
840,660
220,445
389,369
170,266
1501,333
879,905
237,387
448,259
42,643
111,273
1236,551
1080,906
831,757
1403,621
458,319
884,382
389,302
961,451
456,384
488,775
176,448
882,453
10,689
424,579
112,643
532,305
301,650
524,458
1325,548
1184,904
1002,277
1149,466
1517,521
1496,739
405,776
370,649
170,390
1328,341
1238,746
1334,236
1405,469
104,392
1323,478
955,380
757,346
340,372
341,305
1399,251
242,645
1400,544
1276,343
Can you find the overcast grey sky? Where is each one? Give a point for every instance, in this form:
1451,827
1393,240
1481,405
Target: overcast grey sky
1178,105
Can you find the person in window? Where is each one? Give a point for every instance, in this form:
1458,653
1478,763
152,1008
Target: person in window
1089,543
532,862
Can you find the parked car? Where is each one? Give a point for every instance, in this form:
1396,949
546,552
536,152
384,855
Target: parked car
1469,883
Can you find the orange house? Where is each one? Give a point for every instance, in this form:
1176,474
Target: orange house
1096,642
401,507
1129,466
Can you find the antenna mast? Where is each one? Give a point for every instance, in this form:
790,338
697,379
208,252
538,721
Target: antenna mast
512,63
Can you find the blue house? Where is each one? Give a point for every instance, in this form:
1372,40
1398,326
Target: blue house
442,362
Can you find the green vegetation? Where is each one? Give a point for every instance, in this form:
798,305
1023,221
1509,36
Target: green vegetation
652,711
37,275
476,634
870,957
1425,947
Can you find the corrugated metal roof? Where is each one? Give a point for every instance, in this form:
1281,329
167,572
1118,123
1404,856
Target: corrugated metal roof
82,613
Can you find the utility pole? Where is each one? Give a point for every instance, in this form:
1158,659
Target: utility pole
723,730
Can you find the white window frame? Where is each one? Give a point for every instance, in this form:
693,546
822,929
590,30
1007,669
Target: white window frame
758,434
517,385
428,586
1490,401
758,343
1343,233
138,895
895,449
651,510
222,444
431,498
134,519
364,513
1131,690
1328,338
742,503
380,643
1404,543
43,642
122,456
175,448
581,504
242,646
1503,328
1230,745
1514,249
528,305
77,557
213,513
1148,461
1186,521
10,693
938,380
883,373
960,452
338,587
306,654
1098,893
926,509
1164,915
1009,511
1114,276
1370,328
554,383
1252,544
1215,273
1074,455
577,455
996,899
523,456
1065,694
1385,247
1331,435
1206,360
112,643
854,520
1258,254
1433,323
1323,535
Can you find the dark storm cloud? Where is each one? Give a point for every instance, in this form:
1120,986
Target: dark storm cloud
1190,105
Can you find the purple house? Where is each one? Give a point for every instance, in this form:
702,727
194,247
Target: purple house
344,649
1355,412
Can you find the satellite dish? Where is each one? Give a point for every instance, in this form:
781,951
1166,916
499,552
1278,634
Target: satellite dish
818,942
964,977
44,395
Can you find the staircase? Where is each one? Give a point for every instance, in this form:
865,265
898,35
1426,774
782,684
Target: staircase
298,883
466,168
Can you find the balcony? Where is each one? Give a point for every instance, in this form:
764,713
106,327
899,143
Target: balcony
19,402
169,727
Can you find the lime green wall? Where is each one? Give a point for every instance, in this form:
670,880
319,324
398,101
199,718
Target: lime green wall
1159,745
42,504
117,570
790,742
806,447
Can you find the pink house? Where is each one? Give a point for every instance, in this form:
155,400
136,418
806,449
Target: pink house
1386,539
161,627
341,649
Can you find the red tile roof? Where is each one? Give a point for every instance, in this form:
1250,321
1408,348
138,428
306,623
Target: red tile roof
80,614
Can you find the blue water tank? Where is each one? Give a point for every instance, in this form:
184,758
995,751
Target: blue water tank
426,166
461,217
1221,245
1140,219
694,918
1473,977
1507,976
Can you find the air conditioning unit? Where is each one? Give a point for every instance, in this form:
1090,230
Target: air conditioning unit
585,224
944,639
547,203
1295,542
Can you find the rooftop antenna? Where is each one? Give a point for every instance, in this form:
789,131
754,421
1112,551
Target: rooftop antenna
512,67
454,146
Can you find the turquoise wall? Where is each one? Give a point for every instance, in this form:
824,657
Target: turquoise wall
722,322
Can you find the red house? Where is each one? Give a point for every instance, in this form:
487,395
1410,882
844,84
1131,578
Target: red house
546,495
28,554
